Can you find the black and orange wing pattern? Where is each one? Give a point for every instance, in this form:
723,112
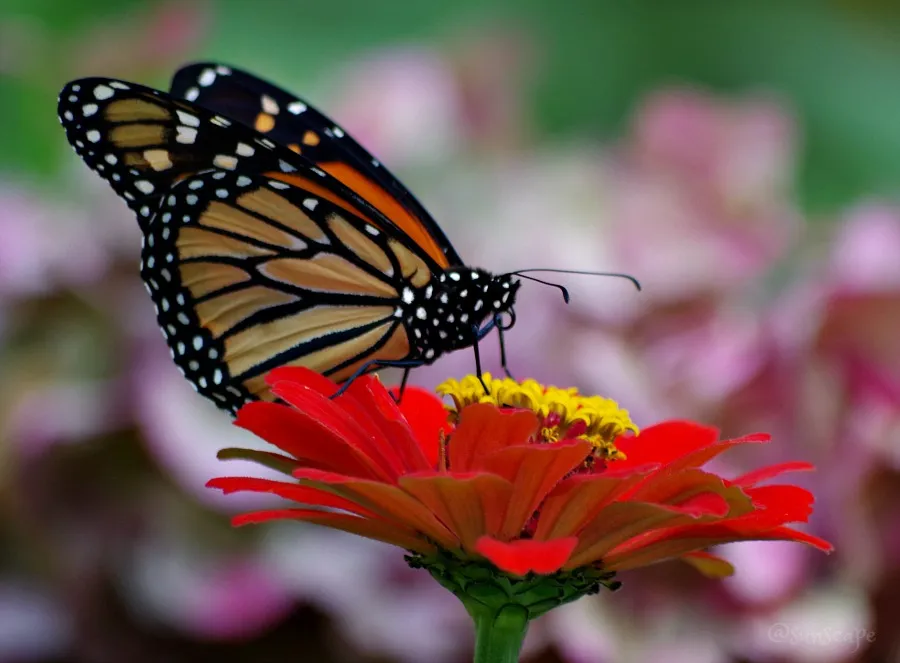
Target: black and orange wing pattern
253,256
290,121
250,272
143,141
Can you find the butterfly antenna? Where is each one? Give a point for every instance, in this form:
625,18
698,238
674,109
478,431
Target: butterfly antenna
618,275
562,289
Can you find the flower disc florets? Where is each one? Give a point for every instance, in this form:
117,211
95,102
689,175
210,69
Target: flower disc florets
564,413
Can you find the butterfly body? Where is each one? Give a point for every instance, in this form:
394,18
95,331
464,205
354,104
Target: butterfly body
271,238
451,313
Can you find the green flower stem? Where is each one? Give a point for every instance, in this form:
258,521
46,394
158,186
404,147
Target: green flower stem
499,633
501,604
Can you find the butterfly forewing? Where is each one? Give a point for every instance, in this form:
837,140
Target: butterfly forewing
143,141
249,273
292,122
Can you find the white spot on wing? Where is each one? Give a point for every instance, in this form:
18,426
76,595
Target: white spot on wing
225,161
186,135
207,77
269,105
296,107
188,119
102,92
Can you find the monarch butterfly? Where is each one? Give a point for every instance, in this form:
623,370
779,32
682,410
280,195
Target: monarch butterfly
272,238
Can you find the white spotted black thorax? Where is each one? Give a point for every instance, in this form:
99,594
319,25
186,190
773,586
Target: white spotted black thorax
444,315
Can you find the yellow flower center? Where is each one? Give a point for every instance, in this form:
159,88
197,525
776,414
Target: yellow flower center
563,413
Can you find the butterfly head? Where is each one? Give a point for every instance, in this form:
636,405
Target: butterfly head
479,293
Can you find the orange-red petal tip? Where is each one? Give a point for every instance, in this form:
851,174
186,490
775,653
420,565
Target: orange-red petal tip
527,555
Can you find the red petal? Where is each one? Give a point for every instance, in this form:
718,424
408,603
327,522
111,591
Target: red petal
694,491
483,429
664,443
791,534
777,505
427,417
304,376
526,555
387,500
576,501
683,540
533,470
469,505
304,438
697,457
619,522
378,530
705,504
765,473
345,421
388,422
702,456
289,491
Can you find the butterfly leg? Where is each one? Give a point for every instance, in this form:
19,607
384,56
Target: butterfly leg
478,359
369,365
500,329
402,389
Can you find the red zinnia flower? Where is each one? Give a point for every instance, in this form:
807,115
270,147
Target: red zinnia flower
542,484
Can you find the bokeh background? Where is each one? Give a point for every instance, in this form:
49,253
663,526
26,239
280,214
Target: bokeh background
742,158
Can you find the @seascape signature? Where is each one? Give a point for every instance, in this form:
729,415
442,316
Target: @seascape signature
820,637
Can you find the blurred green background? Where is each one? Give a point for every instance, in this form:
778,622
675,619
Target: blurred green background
837,61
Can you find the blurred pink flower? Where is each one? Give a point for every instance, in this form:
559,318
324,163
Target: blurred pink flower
208,593
34,625
864,250
183,432
383,607
402,105
412,106
699,196
46,245
154,36
857,334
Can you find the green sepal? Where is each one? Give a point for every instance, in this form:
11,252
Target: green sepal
480,585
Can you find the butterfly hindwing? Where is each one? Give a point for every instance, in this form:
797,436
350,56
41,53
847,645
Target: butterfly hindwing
292,122
249,273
